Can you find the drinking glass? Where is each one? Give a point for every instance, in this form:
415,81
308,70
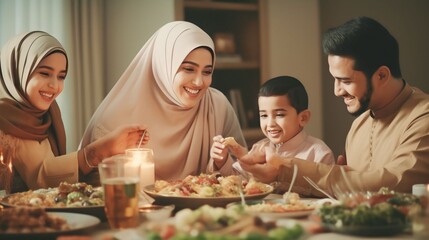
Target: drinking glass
120,177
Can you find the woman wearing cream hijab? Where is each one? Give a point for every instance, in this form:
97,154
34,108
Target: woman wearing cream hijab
166,87
33,69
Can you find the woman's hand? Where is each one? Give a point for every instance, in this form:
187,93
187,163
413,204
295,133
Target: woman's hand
111,144
117,141
125,137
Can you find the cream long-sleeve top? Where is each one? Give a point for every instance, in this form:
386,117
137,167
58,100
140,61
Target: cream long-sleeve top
386,148
303,146
35,165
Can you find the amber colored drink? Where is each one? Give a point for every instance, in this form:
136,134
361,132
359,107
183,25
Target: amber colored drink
121,202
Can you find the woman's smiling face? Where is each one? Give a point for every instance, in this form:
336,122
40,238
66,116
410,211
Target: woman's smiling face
47,81
194,77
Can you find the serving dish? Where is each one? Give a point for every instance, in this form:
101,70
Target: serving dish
207,222
195,202
383,213
156,213
273,209
75,198
96,211
77,222
368,231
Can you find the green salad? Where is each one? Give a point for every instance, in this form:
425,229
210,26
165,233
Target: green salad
372,209
278,233
216,223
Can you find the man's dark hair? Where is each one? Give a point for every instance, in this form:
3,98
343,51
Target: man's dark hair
289,87
367,42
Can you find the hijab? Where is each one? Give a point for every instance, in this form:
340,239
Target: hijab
180,137
20,56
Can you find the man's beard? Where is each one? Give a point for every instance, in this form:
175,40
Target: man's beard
364,102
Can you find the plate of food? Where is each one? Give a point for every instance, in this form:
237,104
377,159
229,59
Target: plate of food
37,223
271,209
383,213
207,222
76,197
211,189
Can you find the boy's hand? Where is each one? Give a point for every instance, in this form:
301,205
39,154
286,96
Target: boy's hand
218,150
342,160
234,147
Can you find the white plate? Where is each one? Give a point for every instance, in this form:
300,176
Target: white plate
279,215
97,211
76,221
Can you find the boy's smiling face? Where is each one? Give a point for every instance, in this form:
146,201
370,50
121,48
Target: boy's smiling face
280,121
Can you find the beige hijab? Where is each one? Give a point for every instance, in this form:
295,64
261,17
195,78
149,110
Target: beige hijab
180,137
19,58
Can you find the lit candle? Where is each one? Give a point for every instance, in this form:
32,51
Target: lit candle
147,165
5,170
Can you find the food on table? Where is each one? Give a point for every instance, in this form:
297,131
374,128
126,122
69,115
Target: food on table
276,206
291,198
236,149
372,209
30,220
210,185
209,222
65,195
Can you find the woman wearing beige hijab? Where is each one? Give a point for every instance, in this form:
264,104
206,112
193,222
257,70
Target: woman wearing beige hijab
167,88
32,137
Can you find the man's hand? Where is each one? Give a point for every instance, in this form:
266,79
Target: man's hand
262,172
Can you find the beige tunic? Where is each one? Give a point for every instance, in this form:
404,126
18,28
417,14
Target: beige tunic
386,148
36,165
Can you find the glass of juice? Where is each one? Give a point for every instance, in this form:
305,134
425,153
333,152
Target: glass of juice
120,177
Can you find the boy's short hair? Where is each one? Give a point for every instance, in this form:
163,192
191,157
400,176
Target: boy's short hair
289,87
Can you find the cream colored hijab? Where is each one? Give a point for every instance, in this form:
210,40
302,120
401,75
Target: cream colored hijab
180,137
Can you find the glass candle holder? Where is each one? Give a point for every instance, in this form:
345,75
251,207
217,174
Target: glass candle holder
147,164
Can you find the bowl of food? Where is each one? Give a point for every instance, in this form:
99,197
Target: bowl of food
382,213
205,189
156,213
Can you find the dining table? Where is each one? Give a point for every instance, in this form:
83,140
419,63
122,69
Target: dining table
313,229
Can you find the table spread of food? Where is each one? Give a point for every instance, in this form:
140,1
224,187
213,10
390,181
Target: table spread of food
382,213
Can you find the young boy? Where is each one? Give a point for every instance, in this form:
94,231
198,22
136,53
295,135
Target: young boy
283,113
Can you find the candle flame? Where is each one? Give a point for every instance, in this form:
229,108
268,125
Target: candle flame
2,162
